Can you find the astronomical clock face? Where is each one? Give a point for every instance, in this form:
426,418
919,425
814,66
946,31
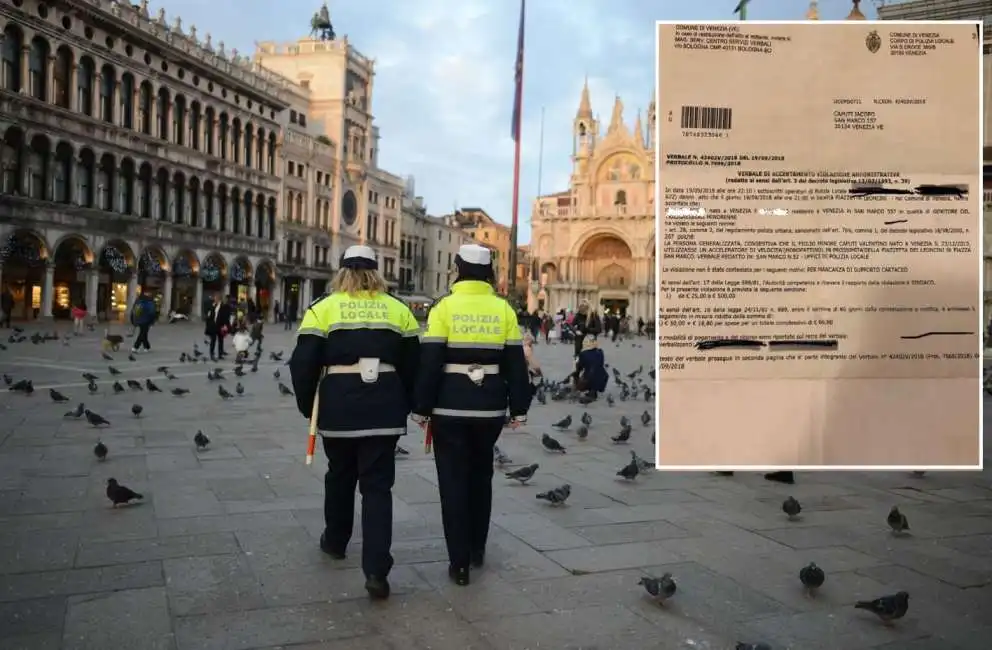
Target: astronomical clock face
349,208
621,167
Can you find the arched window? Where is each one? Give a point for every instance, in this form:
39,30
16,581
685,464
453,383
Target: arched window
38,69
621,198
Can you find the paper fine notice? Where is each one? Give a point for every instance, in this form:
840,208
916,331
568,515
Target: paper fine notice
820,244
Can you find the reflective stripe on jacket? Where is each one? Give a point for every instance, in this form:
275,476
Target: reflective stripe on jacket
339,330
472,326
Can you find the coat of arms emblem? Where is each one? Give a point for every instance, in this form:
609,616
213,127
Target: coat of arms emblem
873,42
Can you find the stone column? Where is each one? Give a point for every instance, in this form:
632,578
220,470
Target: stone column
166,304
73,88
50,163
170,199
115,100
170,108
48,291
153,110
26,74
197,311
304,295
132,292
92,286
50,76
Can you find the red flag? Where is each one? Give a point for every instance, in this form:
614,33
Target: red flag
518,94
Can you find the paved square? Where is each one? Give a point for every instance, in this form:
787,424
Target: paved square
222,554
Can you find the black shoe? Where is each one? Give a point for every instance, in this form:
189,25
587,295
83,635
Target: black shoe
478,558
325,547
781,477
459,575
378,588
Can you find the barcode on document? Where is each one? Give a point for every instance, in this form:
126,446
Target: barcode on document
707,117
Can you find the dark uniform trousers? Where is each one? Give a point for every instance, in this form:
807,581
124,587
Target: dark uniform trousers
369,463
463,455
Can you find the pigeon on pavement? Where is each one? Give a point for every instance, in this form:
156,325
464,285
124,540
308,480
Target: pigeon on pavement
119,494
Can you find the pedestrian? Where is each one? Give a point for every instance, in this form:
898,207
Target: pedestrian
6,306
216,326
362,343
579,323
143,315
640,326
78,313
290,316
276,312
590,369
472,369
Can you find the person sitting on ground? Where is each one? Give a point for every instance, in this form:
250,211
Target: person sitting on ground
590,369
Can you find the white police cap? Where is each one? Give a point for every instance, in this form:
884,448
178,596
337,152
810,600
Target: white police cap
359,258
475,254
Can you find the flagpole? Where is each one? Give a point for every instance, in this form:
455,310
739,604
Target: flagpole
511,280
540,155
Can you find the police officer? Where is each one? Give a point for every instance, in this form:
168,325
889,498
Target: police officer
472,368
353,369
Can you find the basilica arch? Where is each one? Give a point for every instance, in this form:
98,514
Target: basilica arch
605,270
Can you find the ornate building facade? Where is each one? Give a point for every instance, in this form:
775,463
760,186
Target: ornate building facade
595,240
309,162
339,81
135,154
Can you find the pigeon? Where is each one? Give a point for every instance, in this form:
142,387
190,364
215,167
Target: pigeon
119,494
93,388
23,386
7,379
213,375
812,577
586,418
624,421
564,423
523,474
897,521
223,392
136,410
179,392
134,384
239,371
275,356
551,444
623,436
791,508
56,396
90,377
500,458
752,646
118,388
400,451
113,370
276,374
200,440
557,496
238,388
629,471
152,388
582,432
284,390
100,451
610,401
95,419
660,589
888,608
131,357
645,418
106,357
78,413
170,376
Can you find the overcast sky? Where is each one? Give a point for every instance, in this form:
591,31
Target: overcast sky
444,85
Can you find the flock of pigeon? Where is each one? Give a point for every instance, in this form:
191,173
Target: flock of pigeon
630,387
887,608
119,494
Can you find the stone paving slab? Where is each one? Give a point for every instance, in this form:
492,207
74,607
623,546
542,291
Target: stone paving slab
222,553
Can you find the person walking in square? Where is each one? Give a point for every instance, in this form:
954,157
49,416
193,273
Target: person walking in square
353,371
472,371
143,315
216,326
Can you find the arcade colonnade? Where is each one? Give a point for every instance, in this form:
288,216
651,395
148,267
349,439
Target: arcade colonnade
48,273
